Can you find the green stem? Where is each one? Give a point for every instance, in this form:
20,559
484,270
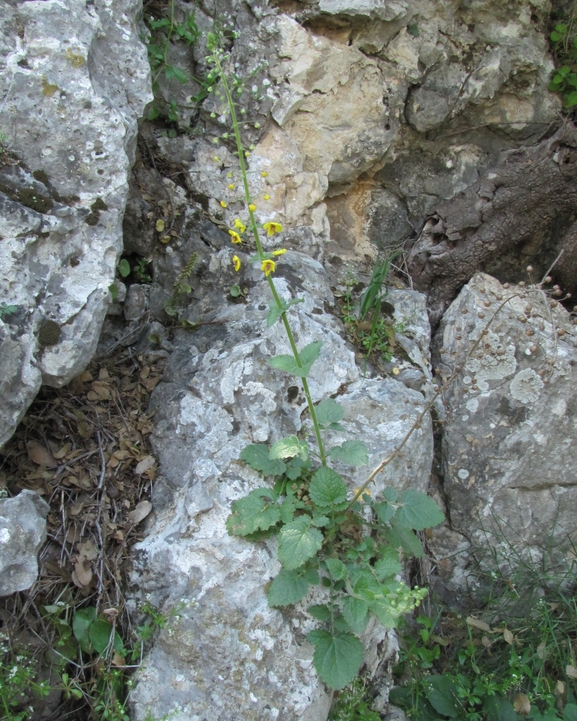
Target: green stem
254,228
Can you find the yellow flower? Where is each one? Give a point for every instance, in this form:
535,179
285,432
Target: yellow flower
236,262
216,159
235,237
231,186
252,207
280,251
272,227
266,197
223,203
268,266
264,174
239,225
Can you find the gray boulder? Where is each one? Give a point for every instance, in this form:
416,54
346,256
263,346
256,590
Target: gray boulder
508,454
74,79
22,532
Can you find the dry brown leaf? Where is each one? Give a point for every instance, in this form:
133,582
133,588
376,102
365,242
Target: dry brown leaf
86,377
73,534
102,391
75,509
117,660
486,642
521,704
571,671
41,455
508,636
82,574
560,688
63,451
542,650
145,465
87,550
140,512
103,374
478,624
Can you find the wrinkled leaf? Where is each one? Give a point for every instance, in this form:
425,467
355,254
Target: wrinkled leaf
287,588
140,512
442,696
388,564
288,448
257,457
308,355
329,411
355,613
256,512
337,658
418,511
402,537
320,611
275,312
336,568
297,542
353,453
327,487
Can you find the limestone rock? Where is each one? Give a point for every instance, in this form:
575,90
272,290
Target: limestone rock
509,460
79,77
229,656
22,532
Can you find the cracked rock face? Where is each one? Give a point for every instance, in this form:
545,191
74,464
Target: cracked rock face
508,452
228,656
74,78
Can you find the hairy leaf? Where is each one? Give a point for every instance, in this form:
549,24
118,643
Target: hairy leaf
355,613
388,564
327,487
337,658
329,411
257,457
442,696
386,510
275,312
256,512
297,542
308,355
288,448
418,511
353,453
288,587
402,537
320,611
336,568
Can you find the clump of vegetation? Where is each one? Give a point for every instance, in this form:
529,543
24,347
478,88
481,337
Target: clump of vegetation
564,79
512,659
353,703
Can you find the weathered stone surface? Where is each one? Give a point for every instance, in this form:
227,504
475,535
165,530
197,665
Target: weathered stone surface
73,81
22,532
218,395
508,453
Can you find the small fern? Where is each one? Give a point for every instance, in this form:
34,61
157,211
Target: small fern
181,286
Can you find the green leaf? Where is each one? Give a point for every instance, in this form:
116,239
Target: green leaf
256,512
170,71
113,288
288,508
320,521
257,456
320,611
308,355
388,564
288,448
442,696
287,588
295,467
297,542
336,568
275,312
418,511
83,618
124,268
387,509
353,453
100,632
329,411
570,712
355,613
498,708
337,658
327,487
402,537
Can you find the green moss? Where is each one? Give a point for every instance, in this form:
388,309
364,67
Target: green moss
92,218
41,176
49,333
98,204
